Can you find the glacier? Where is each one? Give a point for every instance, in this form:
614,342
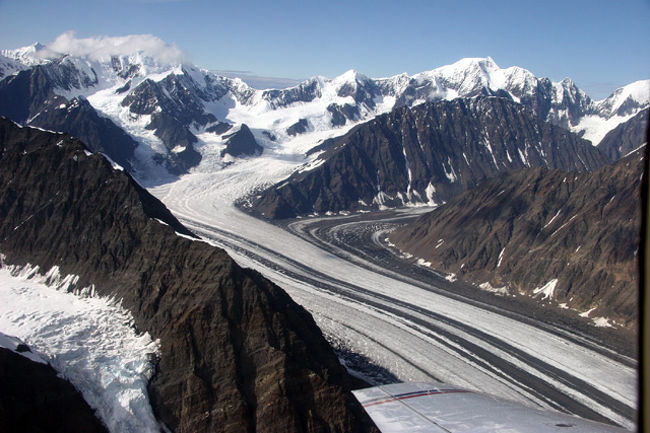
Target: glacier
88,340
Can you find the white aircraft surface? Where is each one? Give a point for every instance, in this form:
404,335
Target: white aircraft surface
429,407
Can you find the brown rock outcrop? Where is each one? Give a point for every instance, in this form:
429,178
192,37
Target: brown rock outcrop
533,226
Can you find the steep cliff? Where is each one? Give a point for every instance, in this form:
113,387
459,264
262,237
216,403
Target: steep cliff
35,399
625,137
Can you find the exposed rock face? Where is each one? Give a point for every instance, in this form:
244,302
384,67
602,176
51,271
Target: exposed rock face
303,92
535,226
342,113
625,137
237,354
242,143
175,104
178,102
219,128
300,127
9,66
427,154
29,98
35,399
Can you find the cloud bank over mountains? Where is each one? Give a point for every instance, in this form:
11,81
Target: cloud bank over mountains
103,48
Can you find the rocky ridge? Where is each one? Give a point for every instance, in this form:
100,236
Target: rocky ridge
237,354
30,97
567,237
424,155
626,137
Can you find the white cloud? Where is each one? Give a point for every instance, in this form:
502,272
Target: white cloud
103,47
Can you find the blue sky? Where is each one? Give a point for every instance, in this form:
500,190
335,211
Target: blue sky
601,45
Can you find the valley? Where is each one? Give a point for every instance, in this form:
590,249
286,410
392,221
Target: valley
418,326
321,189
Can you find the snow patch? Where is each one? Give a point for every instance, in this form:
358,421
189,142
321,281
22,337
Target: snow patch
587,313
500,257
602,322
451,277
547,290
552,219
114,164
451,175
497,290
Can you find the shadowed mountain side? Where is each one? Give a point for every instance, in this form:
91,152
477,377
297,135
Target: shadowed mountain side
35,399
242,143
30,98
625,137
571,237
237,354
426,154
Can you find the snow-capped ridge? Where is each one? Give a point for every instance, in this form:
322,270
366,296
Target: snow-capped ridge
351,76
31,55
149,89
626,99
147,50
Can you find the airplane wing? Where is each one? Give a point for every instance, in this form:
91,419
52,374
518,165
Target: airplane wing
436,408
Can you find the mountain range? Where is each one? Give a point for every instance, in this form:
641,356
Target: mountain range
424,155
162,113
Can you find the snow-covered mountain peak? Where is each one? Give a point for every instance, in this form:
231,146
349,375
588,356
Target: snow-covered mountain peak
471,75
31,55
469,63
351,76
149,89
567,82
624,100
151,54
638,90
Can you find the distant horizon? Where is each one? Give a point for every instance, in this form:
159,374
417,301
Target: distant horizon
268,82
601,47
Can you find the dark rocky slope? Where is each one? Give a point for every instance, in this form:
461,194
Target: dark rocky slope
242,143
425,154
237,354
533,226
30,98
625,137
34,399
